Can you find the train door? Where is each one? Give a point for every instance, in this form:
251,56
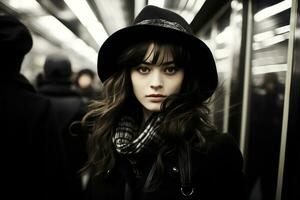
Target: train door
259,95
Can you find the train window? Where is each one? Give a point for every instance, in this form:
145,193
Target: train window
263,60
268,71
223,36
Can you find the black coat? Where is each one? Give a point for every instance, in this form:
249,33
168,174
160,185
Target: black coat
67,101
69,107
33,157
216,174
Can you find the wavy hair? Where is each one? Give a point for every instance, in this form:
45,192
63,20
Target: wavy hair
186,115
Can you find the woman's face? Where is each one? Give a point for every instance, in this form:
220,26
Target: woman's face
85,81
153,83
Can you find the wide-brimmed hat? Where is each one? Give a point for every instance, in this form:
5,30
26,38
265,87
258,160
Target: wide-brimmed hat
15,43
154,23
15,37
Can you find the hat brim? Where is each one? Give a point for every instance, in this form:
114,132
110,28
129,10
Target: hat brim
202,59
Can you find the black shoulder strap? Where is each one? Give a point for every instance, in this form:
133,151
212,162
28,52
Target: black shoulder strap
185,169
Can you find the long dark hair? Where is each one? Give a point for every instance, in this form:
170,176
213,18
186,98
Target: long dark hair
186,115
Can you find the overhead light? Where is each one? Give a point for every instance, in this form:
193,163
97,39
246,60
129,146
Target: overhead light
276,39
25,6
55,29
158,3
113,14
282,29
268,69
269,34
263,36
268,38
270,41
51,27
272,10
86,16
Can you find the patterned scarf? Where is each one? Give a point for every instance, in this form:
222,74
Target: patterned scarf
147,139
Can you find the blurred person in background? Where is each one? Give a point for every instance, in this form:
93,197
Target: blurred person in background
265,131
58,87
32,149
69,106
39,80
85,81
150,133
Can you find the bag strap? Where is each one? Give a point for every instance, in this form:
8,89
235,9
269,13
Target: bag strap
185,169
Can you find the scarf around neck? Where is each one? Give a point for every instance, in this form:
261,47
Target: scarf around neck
128,140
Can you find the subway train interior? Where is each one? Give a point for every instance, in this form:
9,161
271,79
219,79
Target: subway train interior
256,47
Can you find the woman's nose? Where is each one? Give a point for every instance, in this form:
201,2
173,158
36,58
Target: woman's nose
156,81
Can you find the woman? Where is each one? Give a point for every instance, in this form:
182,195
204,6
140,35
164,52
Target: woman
150,133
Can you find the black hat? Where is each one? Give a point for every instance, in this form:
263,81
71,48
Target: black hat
86,71
15,38
154,23
57,68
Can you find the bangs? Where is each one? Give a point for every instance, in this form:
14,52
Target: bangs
135,55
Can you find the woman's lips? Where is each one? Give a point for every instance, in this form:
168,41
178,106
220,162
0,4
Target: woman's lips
156,95
156,98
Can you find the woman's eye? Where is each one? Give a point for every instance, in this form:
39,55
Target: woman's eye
171,70
143,70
